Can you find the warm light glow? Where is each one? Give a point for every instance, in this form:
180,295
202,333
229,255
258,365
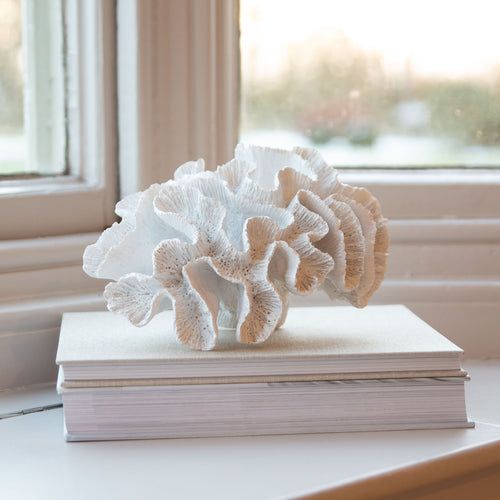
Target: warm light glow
438,38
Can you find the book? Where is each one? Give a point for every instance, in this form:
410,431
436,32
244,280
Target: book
314,340
328,369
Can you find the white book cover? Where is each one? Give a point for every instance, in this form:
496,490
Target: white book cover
333,342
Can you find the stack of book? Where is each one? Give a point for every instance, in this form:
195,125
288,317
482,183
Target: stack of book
328,369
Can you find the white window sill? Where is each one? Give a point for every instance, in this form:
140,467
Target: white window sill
432,193
257,467
424,176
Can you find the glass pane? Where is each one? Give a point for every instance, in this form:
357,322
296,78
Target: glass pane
12,143
31,87
383,83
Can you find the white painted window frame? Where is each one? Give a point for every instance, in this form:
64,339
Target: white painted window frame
83,200
177,86
177,91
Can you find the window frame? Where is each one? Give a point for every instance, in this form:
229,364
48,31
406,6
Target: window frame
205,120
432,193
83,200
178,96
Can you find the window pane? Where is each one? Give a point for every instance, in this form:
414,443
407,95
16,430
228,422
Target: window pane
31,87
12,144
383,83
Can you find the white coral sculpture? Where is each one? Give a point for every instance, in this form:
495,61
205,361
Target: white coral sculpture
225,248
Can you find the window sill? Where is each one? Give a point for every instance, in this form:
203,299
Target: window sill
41,185
284,465
423,176
53,206
432,193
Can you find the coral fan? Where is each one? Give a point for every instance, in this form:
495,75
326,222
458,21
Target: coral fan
225,248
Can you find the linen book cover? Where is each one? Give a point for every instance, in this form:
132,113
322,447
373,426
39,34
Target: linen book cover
338,341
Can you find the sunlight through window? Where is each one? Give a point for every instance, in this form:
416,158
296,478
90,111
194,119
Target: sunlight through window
382,83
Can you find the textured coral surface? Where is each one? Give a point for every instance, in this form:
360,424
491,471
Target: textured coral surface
225,248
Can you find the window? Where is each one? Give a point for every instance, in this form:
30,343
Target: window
32,136
12,155
378,84
57,117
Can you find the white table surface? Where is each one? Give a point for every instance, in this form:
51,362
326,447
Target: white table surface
36,462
